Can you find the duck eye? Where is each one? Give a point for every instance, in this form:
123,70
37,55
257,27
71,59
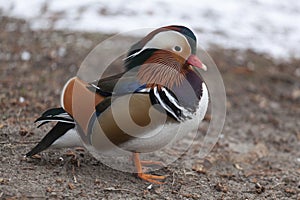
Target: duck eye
177,48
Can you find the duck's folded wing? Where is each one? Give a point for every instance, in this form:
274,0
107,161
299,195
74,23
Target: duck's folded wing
120,84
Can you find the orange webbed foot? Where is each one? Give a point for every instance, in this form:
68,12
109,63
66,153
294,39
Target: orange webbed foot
151,178
147,177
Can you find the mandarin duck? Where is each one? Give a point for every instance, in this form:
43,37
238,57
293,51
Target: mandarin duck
160,77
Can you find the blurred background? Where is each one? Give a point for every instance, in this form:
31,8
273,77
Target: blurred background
265,26
256,46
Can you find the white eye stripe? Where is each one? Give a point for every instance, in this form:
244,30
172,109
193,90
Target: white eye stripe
167,40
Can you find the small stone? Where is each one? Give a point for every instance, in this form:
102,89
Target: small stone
23,132
61,51
25,56
290,190
149,187
237,166
97,181
221,188
49,189
295,94
199,168
259,188
71,186
21,99
59,180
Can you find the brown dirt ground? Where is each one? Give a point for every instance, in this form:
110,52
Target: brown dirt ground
258,156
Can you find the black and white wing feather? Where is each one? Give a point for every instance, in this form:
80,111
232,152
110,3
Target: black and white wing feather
63,134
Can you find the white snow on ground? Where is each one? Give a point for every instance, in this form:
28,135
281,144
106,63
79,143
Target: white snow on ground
266,26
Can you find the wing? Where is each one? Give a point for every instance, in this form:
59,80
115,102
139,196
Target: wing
120,84
54,134
64,125
56,115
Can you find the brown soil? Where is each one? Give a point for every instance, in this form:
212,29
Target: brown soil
257,157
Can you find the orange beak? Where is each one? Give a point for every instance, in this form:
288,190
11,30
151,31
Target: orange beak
196,62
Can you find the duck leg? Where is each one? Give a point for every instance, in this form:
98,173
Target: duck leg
147,177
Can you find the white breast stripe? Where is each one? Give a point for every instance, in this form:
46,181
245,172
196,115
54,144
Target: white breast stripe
146,90
163,104
174,101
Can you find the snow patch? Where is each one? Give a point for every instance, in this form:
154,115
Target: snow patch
265,26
